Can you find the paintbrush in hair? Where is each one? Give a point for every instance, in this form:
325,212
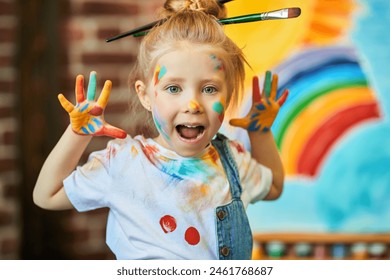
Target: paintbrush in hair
277,14
148,26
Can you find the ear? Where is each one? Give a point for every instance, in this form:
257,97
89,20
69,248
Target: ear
144,98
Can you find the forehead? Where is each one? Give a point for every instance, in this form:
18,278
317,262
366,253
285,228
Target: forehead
191,61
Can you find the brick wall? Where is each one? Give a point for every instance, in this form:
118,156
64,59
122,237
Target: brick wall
9,175
88,25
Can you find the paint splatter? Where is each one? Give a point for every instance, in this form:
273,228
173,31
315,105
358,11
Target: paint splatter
220,109
193,105
159,72
150,152
168,223
134,151
218,63
240,149
160,124
192,236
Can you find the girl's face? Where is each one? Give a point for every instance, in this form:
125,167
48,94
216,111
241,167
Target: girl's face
187,96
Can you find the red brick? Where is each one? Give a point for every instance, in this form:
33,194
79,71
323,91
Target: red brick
105,33
6,112
109,8
7,165
6,86
10,191
5,61
7,35
5,218
109,58
9,137
7,8
9,246
79,235
72,34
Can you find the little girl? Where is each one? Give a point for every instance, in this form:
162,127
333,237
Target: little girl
180,189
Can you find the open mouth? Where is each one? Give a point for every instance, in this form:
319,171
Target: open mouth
190,132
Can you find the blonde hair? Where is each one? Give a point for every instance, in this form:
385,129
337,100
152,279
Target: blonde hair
188,22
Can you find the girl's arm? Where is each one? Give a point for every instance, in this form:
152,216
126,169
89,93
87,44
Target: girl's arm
86,118
49,192
264,150
258,123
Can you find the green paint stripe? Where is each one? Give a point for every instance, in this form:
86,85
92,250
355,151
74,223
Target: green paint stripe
91,86
305,102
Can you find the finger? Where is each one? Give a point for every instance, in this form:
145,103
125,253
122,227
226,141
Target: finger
243,123
65,103
274,87
256,97
105,95
91,86
283,98
113,131
80,97
267,84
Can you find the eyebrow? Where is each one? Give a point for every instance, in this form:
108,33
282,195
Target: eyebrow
179,80
173,79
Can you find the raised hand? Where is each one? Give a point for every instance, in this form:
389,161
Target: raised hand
87,117
265,107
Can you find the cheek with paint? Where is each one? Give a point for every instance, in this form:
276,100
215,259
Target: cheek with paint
219,108
159,73
160,125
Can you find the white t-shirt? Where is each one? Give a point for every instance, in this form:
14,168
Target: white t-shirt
162,205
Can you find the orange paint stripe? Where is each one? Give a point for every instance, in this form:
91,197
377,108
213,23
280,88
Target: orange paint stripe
309,119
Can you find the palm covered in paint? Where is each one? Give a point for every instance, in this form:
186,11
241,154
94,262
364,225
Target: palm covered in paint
86,116
265,107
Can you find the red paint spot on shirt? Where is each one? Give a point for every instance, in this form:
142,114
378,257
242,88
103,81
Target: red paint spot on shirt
192,236
168,223
239,147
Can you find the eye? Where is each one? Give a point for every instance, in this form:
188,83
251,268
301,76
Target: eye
209,90
173,89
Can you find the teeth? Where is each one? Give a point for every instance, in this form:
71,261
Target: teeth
191,126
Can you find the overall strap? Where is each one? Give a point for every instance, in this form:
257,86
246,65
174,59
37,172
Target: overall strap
235,241
229,164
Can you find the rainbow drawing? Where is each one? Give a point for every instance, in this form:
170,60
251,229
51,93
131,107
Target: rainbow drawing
329,95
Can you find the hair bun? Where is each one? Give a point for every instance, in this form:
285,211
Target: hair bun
211,7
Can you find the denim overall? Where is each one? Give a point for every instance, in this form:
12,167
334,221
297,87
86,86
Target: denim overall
234,235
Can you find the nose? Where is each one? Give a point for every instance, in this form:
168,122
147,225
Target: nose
194,107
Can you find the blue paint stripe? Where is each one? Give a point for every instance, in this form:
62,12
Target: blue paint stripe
91,128
97,122
85,107
85,130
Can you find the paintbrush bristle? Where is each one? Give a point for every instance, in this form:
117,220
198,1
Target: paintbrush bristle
294,12
224,1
